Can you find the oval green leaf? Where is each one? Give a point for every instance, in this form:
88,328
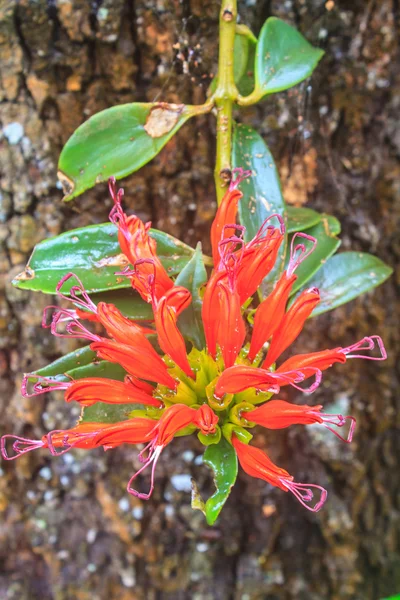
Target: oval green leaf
94,255
262,194
346,276
325,233
222,459
73,360
300,219
116,142
192,277
128,302
283,57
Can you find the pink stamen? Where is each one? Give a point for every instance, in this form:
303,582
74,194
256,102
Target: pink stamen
150,449
65,447
153,459
267,228
338,421
231,252
241,175
304,494
364,345
72,326
148,280
299,252
72,296
301,376
48,316
20,446
42,385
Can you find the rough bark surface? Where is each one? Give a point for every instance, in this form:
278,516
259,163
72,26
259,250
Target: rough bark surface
68,530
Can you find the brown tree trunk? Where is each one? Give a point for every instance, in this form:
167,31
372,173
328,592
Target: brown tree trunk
68,530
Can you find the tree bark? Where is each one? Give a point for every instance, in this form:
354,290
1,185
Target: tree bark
69,531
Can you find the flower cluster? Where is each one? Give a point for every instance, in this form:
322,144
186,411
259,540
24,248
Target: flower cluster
224,389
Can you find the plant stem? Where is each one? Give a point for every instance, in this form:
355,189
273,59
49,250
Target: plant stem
225,95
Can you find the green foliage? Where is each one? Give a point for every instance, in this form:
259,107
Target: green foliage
60,367
222,459
301,219
283,58
262,194
325,233
345,277
116,142
94,255
192,277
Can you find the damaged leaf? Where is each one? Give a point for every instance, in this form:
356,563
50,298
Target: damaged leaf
116,142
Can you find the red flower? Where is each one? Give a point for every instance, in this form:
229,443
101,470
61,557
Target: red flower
90,390
257,464
278,414
215,389
174,419
84,435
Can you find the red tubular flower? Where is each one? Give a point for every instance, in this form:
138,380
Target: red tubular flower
174,419
270,313
239,269
231,331
138,362
169,336
226,213
211,316
80,436
131,431
137,244
259,257
257,464
206,419
292,324
89,390
321,360
121,328
278,414
84,436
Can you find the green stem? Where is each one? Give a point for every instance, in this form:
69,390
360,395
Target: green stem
225,95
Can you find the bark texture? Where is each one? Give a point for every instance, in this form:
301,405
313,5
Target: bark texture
68,529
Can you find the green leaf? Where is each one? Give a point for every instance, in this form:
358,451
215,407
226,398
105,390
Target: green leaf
128,302
346,276
300,219
74,360
107,413
262,194
245,78
94,255
117,141
283,57
222,459
327,243
101,368
192,277
240,56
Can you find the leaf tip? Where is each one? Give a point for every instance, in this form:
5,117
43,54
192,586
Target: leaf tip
26,275
68,185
